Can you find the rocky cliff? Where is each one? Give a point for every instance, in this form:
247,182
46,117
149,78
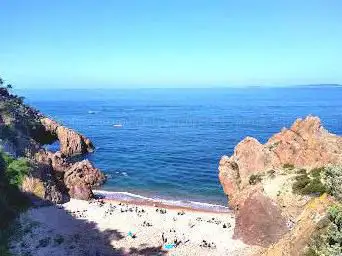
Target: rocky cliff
24,131
258,178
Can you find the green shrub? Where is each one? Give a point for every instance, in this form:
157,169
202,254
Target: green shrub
288,166
255,178
301,171
301,182
12,201
306,184
17,170
316,172
329,242
333,181
315,186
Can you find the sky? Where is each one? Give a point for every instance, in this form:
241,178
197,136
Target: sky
170,43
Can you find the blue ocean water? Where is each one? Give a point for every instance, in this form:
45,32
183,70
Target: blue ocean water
167,143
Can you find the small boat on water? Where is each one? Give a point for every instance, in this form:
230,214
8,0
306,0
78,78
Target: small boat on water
92,112
117,125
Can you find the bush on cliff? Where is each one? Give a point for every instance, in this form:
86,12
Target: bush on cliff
288,166
328,242
333,177
310,184
254,179
12,200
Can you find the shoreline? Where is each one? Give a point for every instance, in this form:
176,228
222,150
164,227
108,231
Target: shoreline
130,198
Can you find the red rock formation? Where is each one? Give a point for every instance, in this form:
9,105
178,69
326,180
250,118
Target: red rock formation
306,144
78,178
71,142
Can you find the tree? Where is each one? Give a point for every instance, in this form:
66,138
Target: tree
1,81
9,86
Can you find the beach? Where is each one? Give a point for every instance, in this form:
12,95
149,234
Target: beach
102,227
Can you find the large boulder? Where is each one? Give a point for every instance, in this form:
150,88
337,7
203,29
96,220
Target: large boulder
71,142
81,177
259,221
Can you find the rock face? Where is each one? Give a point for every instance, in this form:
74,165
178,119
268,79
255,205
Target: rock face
257,218
305,144
80,178
263,213
71,142
311,220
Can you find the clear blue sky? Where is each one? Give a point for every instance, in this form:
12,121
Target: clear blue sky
160,43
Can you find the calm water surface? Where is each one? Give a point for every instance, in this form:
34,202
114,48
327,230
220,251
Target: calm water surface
167,143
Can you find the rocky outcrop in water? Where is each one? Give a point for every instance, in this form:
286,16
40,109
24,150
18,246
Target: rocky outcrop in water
71,142
24,131
259,185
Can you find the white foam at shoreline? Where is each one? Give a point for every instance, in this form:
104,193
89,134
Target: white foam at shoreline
127,196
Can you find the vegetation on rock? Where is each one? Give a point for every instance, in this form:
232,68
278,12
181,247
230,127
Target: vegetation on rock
288,166
311,183
328,242
254,179
12,201
333,177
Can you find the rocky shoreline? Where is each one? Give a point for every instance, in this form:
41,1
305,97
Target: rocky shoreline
53,177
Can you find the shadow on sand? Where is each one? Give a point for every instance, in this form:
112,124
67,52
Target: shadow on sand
52,231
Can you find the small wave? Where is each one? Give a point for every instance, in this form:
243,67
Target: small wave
117,125
124,174
127,196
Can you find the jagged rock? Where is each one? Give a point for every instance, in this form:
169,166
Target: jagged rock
56,160
71,142
306,144
24,131
260,208
80,191
78,178
81,177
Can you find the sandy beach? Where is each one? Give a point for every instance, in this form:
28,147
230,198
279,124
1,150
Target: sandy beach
103,227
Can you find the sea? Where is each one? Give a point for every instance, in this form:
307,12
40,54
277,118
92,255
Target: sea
166,144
